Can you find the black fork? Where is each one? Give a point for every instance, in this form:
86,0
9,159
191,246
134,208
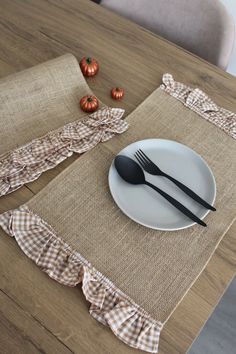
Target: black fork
153,169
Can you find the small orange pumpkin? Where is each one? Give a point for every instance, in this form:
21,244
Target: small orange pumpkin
117,93
89,66
89,103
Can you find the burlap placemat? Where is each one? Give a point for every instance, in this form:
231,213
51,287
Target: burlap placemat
42,123
133,276
40,99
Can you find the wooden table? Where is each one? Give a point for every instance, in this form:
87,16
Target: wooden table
36,313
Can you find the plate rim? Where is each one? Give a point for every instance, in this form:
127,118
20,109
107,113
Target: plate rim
159,228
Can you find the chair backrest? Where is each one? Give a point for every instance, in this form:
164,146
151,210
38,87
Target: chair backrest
203,27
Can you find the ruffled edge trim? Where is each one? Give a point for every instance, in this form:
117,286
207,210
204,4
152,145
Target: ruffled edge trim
109,305
198,101
27,162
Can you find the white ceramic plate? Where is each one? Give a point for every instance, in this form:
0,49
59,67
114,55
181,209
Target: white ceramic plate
145,206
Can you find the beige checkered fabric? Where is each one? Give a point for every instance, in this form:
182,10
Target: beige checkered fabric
27,163
109,305
200,103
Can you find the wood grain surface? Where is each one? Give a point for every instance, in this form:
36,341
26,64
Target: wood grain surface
38,315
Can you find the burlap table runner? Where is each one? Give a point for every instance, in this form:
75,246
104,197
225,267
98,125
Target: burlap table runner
40,99
133,276
42,123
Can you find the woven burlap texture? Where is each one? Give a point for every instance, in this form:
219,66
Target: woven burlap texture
40,99
154,268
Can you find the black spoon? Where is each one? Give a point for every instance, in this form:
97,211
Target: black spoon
132,173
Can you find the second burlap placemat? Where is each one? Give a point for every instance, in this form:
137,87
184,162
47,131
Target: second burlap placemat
133,276
40,99
42,123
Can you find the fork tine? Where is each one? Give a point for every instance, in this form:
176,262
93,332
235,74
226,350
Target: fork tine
145,161
144,155
142,158
139,159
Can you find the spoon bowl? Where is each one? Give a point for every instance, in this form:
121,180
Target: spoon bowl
129,170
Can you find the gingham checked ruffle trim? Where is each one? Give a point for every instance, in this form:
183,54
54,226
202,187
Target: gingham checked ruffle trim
109,305
200,103
26,163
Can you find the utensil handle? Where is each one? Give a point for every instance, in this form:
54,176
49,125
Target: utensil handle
190,193
177,204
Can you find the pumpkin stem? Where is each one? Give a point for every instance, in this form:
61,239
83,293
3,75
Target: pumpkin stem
89,60
117,89
89,99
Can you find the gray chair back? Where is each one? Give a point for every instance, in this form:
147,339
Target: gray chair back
204,27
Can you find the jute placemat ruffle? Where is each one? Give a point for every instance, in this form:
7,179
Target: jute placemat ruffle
42,123
134,277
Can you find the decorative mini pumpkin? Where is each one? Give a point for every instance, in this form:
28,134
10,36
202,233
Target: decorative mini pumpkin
89,103
117,93
89,66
